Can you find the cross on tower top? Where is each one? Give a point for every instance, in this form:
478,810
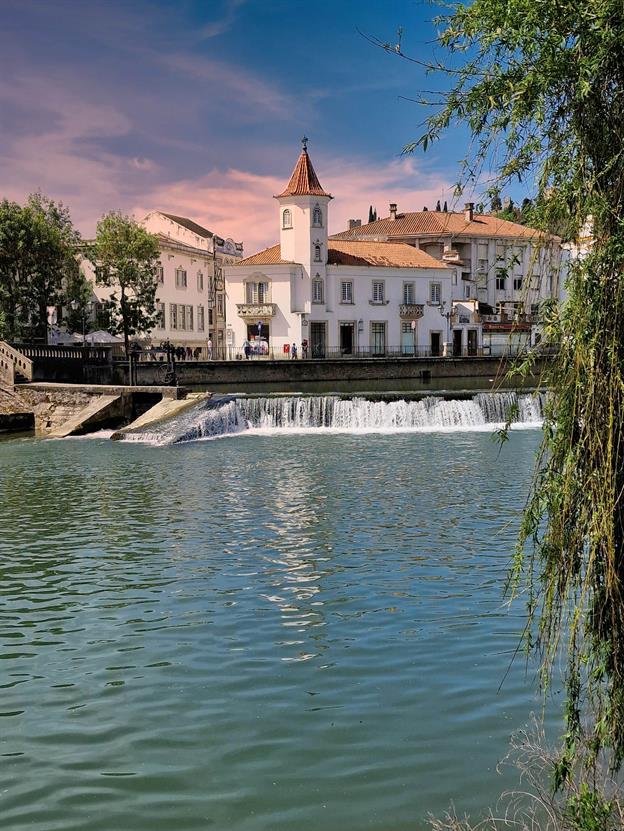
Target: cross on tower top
304,141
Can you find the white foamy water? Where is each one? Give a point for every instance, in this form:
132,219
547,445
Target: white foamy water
324,413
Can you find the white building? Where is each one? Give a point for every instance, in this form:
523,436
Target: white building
340,297
191,290
503,268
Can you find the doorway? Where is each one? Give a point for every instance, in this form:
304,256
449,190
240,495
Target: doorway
457,343
347,338
472,342
378,339
435,344
318,339
408,338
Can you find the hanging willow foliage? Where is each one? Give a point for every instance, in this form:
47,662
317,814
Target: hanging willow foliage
540,84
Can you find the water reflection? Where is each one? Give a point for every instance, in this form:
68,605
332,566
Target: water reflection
240,633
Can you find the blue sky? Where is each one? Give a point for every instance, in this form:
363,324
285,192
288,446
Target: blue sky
199,107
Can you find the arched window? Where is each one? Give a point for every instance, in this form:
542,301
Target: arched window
317,253
317,217
287,219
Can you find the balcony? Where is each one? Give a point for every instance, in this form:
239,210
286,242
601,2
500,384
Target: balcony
254,311
411,311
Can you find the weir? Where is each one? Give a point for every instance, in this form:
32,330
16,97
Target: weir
231,415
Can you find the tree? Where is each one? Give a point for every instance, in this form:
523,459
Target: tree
541,87
38,246
125,257
77,294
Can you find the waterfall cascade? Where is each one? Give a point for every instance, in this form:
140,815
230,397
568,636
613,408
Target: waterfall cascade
225,416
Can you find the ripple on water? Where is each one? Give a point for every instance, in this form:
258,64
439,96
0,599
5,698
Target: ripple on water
268,632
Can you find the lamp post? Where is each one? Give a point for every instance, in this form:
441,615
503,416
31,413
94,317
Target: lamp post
447,315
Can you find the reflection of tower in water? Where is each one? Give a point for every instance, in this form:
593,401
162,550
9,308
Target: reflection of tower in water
297,562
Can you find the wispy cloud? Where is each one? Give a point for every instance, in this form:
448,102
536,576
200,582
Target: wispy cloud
240,204
241,91
225,22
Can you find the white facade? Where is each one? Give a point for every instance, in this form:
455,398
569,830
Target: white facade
190,293
340,298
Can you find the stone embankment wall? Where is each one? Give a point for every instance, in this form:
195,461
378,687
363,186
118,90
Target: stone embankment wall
257,371
52,408
15,413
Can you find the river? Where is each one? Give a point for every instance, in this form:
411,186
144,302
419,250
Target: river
271,630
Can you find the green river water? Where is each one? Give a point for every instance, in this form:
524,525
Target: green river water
280,631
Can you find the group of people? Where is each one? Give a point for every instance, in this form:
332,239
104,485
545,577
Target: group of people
250,349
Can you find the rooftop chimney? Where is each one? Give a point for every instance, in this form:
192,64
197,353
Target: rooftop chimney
354,223
393,210
469,211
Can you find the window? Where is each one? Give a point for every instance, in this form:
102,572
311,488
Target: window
501,252
500,280
220,307
378,292
408,293
200,281
317,291
346,291
317,253
454,279
180,278
517,283
173,316
210,318
200,318
189,318
317,217
160,275
435,290
286,219
257,292
160,315
467,291
181,316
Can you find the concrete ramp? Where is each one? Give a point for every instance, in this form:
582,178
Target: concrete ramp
98,413
162,411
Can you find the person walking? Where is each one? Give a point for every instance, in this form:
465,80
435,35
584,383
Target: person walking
293,352
209,349
246,349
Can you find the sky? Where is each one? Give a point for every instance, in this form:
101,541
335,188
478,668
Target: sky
198,107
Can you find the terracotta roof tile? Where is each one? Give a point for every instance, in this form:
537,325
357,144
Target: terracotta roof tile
304,181
356,253
270,256
438,223
379,254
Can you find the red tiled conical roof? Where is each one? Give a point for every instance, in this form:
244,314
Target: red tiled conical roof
304,181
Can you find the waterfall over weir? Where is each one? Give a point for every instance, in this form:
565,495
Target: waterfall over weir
231,415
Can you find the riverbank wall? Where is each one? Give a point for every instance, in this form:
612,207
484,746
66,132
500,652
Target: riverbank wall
259,371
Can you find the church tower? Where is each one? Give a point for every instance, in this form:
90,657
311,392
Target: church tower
303,207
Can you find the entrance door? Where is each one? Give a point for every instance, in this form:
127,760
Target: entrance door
258,337
457,343
408,338
346,338
318,339
378,339
472,341
435,344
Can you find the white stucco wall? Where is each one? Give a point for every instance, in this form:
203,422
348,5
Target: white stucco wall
291,290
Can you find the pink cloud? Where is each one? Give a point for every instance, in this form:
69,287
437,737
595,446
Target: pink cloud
235,203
